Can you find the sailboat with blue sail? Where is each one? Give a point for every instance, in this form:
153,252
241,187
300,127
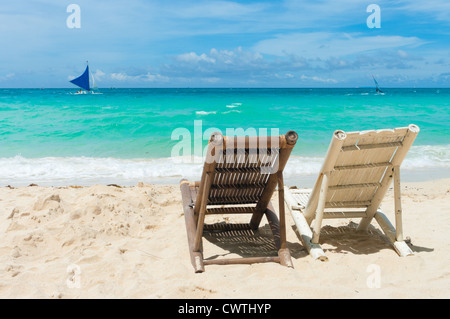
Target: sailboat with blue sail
84,82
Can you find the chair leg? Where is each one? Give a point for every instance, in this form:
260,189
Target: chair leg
285,258
320,209
281,211
303,229
399,245
201,215
395,235
398,205
196,256
315,250
275,226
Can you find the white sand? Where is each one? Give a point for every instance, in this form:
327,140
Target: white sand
109,242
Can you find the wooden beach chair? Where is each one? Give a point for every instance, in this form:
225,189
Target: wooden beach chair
355,176
239,176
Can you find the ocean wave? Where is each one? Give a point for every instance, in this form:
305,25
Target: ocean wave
231,111
19,171
232,105
427,156
205,113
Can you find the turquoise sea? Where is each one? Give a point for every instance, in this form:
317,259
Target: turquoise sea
123,136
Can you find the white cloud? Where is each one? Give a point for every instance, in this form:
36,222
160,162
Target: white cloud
217,9
99,74
439,9
324,45
237,56
211,80
154,77
284,76
7,76
120,76
402,54
194,58
148,77
318,79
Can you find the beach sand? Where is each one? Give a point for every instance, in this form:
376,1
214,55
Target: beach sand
130,242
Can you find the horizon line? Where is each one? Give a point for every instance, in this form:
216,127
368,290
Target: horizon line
230,87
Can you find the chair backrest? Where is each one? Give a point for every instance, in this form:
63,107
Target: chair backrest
359,166
242,170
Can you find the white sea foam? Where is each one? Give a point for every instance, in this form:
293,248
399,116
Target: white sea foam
427,156
233,105
20,171
205,113
231,111
424,162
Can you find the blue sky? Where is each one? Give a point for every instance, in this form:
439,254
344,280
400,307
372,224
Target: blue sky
184,43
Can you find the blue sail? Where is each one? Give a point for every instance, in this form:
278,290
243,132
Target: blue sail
378,86
83,80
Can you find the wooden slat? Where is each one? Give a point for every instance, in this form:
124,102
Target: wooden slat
230,210
248,151
370,146
241,261
233,200
362,166
230,170
335,187
224,227
331,215
347,204
238,186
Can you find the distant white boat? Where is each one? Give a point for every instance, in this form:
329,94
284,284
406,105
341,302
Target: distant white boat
85,82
